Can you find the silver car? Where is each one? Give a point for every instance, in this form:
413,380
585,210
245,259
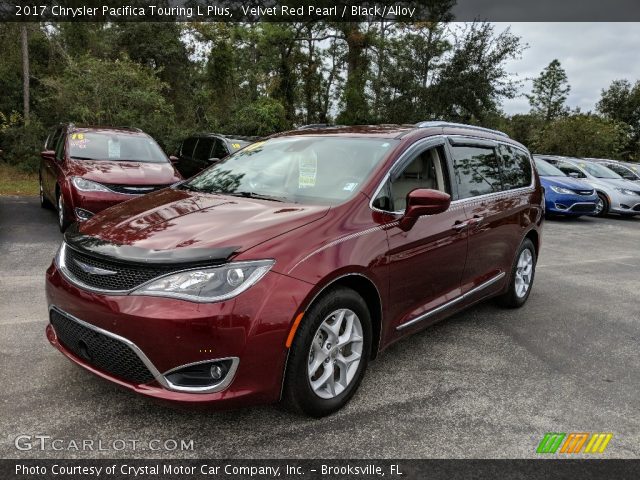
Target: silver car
616,194
628,171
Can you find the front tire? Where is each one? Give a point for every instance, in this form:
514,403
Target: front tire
63,218
522,275
602,206
329,354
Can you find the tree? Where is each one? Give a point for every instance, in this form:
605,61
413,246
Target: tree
550,92
106,92
582,135
621,102
25,72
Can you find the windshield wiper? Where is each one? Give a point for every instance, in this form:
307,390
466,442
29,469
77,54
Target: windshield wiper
82,158
259,196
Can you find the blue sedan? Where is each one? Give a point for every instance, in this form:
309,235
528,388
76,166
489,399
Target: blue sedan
565,195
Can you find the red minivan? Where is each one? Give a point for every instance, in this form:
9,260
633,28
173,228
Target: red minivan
278,273
84,170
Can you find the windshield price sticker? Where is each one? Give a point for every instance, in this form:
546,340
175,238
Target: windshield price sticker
308,168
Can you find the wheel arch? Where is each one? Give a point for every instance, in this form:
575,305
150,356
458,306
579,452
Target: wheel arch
367,289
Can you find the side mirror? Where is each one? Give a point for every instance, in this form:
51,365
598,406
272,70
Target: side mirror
48,155
574,175
423,201
173,159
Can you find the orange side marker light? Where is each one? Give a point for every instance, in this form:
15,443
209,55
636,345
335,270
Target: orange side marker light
294,327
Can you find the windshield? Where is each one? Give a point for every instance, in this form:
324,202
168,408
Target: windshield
300,169
598,171
545,169
114,146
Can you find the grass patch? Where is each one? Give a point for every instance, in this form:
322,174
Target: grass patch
16,182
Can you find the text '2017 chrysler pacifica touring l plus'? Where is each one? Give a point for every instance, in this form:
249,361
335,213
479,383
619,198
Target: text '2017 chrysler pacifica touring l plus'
278,273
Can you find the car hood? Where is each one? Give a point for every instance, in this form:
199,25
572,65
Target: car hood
565,182
174,225
125,173
613,183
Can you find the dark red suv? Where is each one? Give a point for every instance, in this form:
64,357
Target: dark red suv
278,273
87,169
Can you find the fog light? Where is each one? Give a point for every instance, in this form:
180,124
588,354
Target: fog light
200,375
83,215
216,372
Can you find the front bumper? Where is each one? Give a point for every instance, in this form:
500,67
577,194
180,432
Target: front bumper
624,204
169,333
565,204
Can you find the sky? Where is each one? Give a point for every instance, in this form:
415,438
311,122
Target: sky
592,54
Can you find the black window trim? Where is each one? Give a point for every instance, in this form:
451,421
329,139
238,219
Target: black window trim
404,159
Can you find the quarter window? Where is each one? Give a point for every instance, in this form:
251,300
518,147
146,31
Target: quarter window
516,167
425,170
476,171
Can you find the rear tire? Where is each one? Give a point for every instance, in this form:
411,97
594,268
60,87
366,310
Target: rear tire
602,207
44,202
318,355
522,275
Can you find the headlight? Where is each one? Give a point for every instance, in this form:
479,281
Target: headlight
624,191
85,185
562,190
210,284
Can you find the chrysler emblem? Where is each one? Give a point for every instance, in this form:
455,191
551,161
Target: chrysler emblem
91,270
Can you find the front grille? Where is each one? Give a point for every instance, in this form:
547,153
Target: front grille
583,208
126,276
585,192
134,189
99,350
636,208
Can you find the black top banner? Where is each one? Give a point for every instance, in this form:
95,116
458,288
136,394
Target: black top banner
320,10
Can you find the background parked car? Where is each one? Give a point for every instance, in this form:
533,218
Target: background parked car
627,171
565,195
202,150
616,195
84,170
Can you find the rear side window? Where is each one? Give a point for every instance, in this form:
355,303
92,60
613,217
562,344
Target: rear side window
476,171
187,147
203,149
516,167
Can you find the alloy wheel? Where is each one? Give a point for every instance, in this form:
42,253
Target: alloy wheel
60,211
335,353
599,206
524,273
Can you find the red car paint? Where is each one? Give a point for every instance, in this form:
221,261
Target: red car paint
402,273
57,168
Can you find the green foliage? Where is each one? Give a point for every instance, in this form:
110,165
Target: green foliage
621,102
105,92
550,92
21,144
261,117
582,136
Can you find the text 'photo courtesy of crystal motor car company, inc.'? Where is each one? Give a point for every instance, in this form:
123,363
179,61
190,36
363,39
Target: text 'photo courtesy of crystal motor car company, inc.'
279,272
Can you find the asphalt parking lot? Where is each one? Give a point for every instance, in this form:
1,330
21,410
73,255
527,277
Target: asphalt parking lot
487,383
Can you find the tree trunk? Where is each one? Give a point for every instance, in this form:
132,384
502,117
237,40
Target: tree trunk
25,73
356,108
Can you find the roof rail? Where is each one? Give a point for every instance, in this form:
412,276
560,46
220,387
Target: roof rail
314,126
135,129
442,123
